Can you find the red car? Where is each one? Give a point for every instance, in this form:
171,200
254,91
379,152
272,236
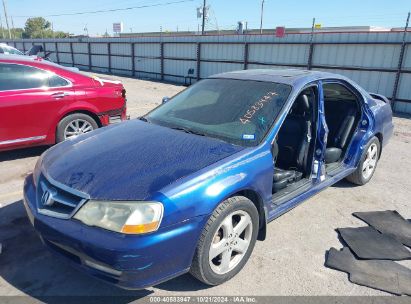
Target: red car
42,103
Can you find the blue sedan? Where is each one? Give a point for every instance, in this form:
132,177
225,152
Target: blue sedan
191,186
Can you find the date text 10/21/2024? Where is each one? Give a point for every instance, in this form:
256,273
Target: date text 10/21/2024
202,299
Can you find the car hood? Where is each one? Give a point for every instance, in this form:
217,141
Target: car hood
132,160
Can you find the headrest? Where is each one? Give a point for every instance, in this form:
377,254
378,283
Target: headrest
302,101
301,105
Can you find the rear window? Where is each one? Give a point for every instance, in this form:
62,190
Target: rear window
57,81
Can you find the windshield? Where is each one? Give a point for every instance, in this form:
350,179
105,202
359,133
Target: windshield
10,50
237,111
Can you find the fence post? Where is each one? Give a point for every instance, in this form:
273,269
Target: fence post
89,55
109,56
246,45
57,52
400,60
133,64
162,60
44,48
198,59
72,53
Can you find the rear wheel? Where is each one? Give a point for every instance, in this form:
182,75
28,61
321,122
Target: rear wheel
226,242
73,125
367,164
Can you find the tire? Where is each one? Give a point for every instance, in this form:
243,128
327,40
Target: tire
236,210
362,176
66,126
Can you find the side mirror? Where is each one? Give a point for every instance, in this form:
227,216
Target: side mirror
165,99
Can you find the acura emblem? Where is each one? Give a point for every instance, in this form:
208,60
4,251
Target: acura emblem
47,198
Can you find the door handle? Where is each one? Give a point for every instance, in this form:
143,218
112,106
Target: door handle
59,95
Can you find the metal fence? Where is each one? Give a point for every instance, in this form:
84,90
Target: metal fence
379,61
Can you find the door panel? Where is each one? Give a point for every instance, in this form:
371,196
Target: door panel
28,105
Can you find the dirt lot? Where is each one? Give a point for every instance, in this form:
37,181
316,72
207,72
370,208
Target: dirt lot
289,262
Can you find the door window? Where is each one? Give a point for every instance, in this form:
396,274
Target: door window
20,77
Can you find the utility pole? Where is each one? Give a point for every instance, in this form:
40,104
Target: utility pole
204,16
7,20
312,30
12,27
1,28
262,13
310,54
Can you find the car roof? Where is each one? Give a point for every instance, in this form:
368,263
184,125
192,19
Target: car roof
39,63
286,76
13,58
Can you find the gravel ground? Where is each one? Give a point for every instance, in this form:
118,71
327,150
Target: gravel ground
289,262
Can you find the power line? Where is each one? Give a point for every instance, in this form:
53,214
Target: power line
111,10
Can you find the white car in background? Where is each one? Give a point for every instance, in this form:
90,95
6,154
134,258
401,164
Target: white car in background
9,50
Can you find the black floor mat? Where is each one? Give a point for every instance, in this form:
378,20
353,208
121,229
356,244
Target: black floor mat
383,275
388,222
368,243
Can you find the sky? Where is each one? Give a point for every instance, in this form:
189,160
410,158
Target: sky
224,14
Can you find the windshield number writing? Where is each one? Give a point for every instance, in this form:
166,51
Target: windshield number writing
249,114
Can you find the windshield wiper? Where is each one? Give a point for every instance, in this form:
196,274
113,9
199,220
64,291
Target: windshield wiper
142,118
188,131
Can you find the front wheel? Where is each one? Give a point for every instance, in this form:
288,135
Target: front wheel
367,164
226,242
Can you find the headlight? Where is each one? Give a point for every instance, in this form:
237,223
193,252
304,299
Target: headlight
37,169
122,216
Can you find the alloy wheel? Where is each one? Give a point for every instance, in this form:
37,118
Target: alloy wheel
77,127
370,161
230,242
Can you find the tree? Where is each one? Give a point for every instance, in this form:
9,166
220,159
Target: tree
37,27
16,33
60,34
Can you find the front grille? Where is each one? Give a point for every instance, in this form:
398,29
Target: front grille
57,200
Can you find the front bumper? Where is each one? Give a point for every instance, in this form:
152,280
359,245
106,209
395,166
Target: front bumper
131,262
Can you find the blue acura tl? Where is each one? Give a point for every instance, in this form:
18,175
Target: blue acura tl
191,186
